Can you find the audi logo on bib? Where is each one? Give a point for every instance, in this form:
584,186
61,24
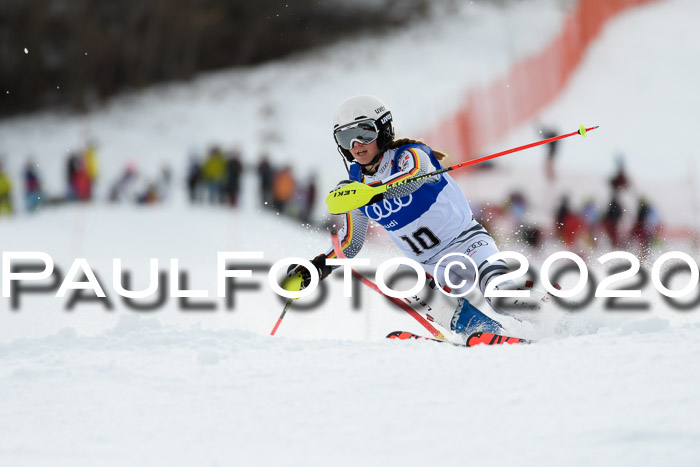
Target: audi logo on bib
387,207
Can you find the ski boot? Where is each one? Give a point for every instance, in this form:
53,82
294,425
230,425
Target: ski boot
467,319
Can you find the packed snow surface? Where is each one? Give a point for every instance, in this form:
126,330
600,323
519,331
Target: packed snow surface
149,395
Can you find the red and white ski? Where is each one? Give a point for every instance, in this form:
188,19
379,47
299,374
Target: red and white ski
478,338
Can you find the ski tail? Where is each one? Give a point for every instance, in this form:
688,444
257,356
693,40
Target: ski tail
488,338
478,338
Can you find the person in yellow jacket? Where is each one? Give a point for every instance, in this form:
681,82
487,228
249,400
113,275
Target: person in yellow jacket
5,193
91,164
214,174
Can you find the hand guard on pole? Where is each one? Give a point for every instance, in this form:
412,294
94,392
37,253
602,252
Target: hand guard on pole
298,276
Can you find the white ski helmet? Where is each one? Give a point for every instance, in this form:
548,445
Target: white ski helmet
363,119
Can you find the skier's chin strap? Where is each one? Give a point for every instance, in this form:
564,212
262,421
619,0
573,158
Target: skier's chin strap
367,166
347,158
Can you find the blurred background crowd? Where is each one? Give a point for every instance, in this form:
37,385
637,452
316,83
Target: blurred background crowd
116,48
215,178
211,179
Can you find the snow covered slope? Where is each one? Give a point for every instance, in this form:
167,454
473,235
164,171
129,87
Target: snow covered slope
147,395
287,107
636,82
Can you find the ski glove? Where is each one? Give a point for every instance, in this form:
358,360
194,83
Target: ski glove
319,262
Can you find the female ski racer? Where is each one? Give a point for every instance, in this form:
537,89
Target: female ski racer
427,219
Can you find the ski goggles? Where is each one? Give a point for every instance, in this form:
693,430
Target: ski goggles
364,132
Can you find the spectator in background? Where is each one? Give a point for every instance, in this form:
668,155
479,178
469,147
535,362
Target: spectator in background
72,166
91,164
517,205
308,199
568,223
266,176
82,186
563,211
645,227
163,184
551,148
149,195
214,174
590,219
283,188
32,187
611,220
234,169
194,179
5,193
124,188
620,179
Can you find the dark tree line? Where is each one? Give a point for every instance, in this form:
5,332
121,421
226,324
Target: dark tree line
81,51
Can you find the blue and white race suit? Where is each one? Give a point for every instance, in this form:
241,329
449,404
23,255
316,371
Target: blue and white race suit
427,219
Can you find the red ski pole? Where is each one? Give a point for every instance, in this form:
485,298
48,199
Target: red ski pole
279,321
581,131
424,322
356,194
